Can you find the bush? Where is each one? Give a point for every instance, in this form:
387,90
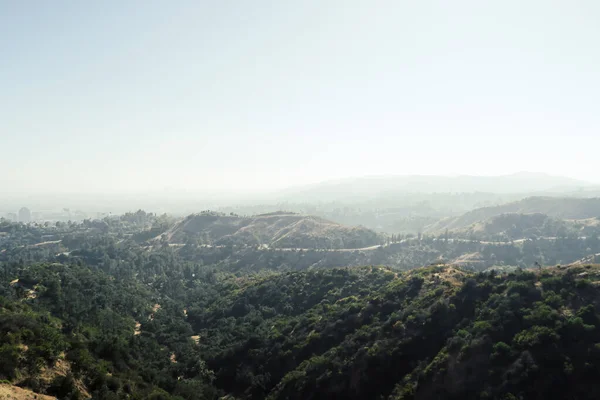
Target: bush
482,327
537,335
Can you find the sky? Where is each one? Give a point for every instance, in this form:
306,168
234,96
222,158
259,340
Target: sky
224,96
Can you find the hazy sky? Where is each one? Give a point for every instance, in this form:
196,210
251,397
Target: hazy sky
197,95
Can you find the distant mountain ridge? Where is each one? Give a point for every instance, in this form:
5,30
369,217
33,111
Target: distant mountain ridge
278,229
373,186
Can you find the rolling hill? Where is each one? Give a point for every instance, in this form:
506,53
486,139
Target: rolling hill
555,207
279,229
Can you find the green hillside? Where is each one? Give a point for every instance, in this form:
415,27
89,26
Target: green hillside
431,333
92,310
163,328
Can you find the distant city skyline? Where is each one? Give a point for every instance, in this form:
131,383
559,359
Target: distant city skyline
24,215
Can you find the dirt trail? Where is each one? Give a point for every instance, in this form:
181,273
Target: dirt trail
45,243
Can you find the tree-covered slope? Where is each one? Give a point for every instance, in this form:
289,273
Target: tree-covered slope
73,332
121,321
431,333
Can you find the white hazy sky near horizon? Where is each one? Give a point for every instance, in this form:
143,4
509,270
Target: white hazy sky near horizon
256,95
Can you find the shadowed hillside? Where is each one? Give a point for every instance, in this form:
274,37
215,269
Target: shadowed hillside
432,333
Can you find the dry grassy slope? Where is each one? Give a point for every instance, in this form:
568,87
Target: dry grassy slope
503,223
199,224
280,229
17,393
564,208
468,259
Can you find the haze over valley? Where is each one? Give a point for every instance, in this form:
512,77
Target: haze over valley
299,200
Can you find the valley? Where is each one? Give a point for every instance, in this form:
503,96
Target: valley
290,306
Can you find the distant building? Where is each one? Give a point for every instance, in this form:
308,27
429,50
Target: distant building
25,215
12,217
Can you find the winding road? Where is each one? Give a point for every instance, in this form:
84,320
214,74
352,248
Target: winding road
378,246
